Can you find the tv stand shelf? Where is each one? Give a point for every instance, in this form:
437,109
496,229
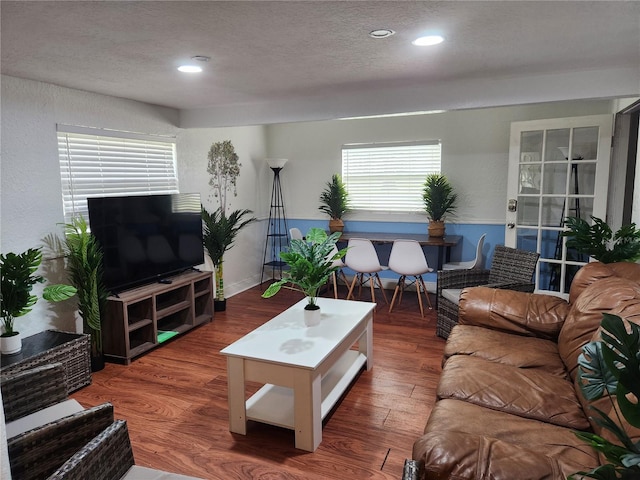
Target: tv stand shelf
140,319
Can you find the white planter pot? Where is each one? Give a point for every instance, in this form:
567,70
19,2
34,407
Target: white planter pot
311,317
11,344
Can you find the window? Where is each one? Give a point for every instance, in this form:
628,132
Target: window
389,177
105,163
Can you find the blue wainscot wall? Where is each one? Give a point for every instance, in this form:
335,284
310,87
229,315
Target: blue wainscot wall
465,250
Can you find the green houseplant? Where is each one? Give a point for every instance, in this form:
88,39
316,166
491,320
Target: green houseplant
439,200
310,265
334,201
220,229
18,276
84,263
611,367
598,240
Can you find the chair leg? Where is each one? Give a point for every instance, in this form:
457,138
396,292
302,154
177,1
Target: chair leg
381,288
334,277
353,284
418,286
424,289
344,277
395,292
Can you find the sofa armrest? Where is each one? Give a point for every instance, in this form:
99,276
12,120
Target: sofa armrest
37,453
108,456
31,390
512,311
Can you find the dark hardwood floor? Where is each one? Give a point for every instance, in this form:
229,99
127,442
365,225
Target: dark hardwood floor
175,401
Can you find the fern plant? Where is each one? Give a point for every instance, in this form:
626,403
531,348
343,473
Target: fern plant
612,367
598,240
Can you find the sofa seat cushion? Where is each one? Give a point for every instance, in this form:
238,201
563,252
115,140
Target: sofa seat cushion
518,391
467,441
504,348
137,472
452,294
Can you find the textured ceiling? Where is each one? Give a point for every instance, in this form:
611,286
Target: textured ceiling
278,51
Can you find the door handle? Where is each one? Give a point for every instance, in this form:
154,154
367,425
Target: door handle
511,225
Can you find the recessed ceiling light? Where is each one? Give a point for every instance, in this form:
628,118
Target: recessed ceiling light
381,33
428,40
190,68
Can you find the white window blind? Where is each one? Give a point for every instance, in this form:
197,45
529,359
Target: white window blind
389,177
109,164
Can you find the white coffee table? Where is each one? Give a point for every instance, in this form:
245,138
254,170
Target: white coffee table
305,369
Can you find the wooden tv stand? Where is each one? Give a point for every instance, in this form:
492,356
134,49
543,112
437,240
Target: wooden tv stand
140,319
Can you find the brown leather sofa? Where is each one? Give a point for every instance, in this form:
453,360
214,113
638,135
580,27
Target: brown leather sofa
507,403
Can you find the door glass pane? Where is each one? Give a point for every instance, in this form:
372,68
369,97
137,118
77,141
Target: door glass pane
549,246
550,276
527,239
552,211
528,210
580,207
585,173
531,146
585,143
555,178
529,178
557,140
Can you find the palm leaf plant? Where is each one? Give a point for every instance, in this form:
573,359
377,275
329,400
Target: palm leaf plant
611,367
598,240
334,201
439,200
310,265
219,231
84,264
18,277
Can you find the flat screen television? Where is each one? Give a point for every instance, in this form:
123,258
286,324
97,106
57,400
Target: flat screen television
146,238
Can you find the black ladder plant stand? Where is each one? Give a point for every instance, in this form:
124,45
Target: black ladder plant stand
277,233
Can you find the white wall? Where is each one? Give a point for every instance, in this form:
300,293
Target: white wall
475,152
242,262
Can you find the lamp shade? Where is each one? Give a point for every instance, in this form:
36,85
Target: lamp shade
276,162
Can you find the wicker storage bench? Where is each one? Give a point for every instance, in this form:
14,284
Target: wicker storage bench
52,346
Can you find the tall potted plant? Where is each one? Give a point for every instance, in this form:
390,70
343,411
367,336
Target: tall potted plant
439,200
84,264
310,266
18,276
334,201
598,240
220,229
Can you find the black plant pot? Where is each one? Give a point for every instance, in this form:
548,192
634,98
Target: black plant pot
219,305
97,362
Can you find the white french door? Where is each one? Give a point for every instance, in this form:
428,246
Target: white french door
558,168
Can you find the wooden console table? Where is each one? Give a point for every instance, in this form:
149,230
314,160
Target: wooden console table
73,350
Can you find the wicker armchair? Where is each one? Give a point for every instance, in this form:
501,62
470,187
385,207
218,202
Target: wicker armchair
31,390
511,269
36,454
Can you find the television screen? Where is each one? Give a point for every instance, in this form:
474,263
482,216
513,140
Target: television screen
146,238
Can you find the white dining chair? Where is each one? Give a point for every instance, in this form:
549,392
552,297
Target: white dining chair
338,273
476,263
362,258
407,260
295,234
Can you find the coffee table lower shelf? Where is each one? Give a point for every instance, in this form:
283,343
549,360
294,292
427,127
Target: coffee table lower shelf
274,405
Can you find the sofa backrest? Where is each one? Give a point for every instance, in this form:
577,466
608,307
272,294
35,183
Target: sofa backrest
596,289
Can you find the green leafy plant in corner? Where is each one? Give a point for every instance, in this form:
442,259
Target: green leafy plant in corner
310,265
612,367
438,197
334,199
84,263
598,240
18,277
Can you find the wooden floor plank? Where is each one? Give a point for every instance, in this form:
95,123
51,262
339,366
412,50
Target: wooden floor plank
175,401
